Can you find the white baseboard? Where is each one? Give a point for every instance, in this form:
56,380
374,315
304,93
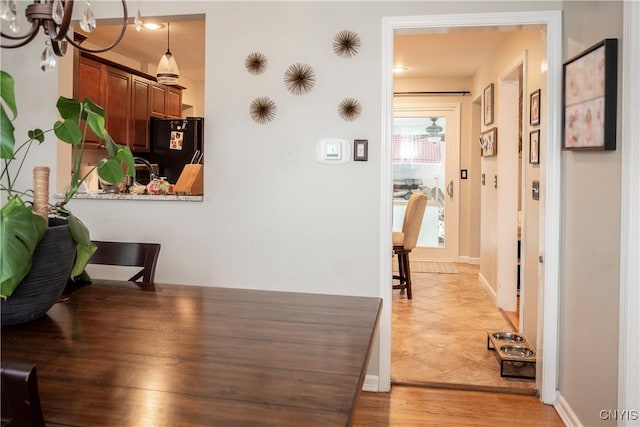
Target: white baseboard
370,383
488,287
469,260
568,417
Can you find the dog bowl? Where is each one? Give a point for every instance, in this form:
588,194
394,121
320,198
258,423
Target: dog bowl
508,337
517,351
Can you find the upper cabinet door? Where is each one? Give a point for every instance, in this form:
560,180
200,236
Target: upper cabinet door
140,112
117,105
174,103
158,100
91,84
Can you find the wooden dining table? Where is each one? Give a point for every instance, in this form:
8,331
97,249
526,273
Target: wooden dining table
119,354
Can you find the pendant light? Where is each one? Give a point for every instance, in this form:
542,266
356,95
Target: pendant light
168,73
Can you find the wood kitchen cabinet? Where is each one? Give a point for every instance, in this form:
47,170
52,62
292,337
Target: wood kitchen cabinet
140,113
166,102
130,98
174,103
117,105
91,84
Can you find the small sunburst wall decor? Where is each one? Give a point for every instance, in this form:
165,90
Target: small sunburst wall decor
349,109
346,44
262,110
256,63
299,79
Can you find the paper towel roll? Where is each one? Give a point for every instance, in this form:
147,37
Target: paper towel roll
91,183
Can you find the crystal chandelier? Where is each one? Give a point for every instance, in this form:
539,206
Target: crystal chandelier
54,16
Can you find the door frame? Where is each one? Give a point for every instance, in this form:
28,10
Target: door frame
550,172
414,106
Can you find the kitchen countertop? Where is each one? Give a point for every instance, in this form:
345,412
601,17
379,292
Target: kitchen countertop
127,196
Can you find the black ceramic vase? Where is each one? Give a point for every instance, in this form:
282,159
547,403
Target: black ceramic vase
42,287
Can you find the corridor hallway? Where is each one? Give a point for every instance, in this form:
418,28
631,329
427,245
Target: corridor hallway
439,338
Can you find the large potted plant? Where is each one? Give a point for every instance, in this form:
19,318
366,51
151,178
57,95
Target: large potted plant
38,257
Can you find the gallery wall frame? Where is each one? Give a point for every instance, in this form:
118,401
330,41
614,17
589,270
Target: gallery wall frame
534,147
534,108
590,98
489,143
487,104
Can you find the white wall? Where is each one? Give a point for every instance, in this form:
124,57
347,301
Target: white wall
272,218
590,265
505,56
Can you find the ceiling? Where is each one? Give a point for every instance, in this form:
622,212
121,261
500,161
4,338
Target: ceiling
442,53
187,42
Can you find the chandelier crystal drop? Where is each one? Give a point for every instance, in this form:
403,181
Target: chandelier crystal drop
88,19
138,20
15,25
48,60
8,9
57,11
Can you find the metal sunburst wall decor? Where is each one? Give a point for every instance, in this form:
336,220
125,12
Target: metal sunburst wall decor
256,63
299,79
346,44
262,110
349,109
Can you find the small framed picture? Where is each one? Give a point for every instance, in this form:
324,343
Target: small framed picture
489,143
487,101
360,150
534,108
534,147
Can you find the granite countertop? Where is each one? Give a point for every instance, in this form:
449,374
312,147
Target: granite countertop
127,196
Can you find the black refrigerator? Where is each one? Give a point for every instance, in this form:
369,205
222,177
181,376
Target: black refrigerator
175,143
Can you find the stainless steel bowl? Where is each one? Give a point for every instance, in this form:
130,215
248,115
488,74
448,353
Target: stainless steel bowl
517,351
508,336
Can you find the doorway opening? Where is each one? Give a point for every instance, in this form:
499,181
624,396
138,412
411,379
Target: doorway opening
551,24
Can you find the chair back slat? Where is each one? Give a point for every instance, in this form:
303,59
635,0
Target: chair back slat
20,396
129,254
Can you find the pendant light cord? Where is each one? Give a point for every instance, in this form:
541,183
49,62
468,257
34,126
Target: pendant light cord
168,29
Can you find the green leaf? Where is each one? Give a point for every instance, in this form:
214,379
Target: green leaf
84,247
7,138
88,105
7,92
68,131
110,145
96,123
125,156
110,170
37,134
69,108
21,232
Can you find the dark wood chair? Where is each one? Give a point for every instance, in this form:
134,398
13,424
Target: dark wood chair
20,396
129,254
404,241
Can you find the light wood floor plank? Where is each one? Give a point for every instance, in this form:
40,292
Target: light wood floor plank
425,407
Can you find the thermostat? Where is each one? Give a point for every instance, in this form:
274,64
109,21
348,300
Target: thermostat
332,150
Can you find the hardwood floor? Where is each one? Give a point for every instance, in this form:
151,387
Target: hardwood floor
440,343
439,338
425,407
